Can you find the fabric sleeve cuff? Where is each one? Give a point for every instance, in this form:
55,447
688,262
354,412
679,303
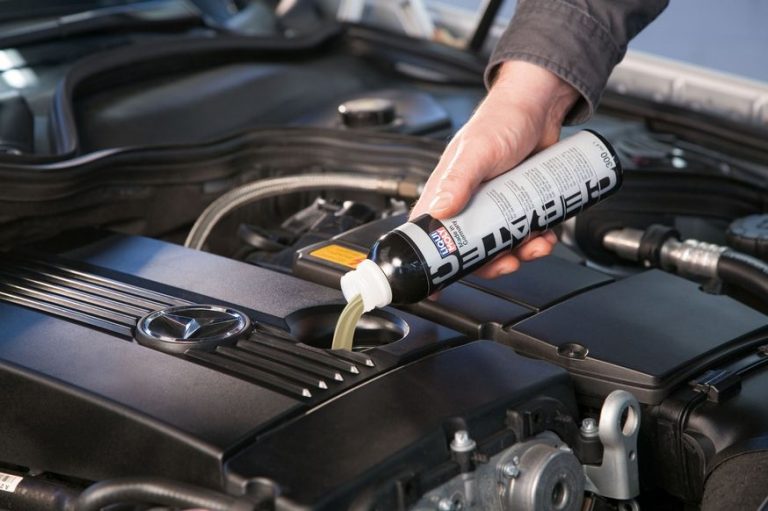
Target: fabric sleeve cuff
566,41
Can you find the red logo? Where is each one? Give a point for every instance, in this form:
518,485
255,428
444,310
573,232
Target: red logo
443,241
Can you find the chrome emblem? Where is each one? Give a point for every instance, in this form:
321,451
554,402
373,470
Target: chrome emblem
177,329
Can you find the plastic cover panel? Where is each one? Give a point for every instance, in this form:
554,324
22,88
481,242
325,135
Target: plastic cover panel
651,328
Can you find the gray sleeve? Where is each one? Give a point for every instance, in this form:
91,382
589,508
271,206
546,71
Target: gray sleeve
578,40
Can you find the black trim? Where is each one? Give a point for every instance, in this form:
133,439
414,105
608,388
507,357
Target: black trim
161,58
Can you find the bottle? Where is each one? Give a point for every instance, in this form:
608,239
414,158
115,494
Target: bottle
424,255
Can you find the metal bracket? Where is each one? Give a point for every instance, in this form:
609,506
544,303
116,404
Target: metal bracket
617,477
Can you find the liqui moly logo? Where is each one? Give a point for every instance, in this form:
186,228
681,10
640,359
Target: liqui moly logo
443,241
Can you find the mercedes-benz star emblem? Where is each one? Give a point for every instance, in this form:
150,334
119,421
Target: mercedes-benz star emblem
177,329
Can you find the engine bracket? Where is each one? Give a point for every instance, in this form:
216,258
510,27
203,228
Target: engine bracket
617,477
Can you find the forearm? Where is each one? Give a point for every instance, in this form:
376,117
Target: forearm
580,41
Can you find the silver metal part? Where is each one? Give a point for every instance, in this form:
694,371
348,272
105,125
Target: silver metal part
462,442
624,242
541,474
548,479
691,258
589,427
454,503
512,468
458,494
617,476
177,329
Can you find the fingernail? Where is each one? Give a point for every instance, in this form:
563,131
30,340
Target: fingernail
441,202
536,254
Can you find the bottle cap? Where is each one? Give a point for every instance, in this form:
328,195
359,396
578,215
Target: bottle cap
368,281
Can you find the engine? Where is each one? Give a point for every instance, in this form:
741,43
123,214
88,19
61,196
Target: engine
126,358
178,206
559,387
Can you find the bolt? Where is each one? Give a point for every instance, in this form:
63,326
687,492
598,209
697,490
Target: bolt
589,427
447,504
461,442
511,468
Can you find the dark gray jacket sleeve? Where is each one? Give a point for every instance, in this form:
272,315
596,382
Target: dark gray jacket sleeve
579,40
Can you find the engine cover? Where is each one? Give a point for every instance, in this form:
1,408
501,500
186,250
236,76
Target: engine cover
130,356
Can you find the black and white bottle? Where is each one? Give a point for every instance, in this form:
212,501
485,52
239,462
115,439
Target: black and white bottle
424,255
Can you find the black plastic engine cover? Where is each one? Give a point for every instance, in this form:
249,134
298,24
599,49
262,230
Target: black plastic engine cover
271,407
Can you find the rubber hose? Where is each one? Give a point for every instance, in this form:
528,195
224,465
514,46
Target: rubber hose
266,188
34,494
159,492
745,272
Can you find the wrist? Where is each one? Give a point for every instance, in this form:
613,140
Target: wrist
536,87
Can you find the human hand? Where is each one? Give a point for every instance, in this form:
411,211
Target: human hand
521,114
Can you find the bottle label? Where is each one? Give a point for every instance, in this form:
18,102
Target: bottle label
540,193
339,254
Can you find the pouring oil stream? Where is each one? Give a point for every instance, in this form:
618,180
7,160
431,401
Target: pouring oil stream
343,336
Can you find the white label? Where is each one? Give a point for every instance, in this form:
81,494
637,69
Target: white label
541,192
9,482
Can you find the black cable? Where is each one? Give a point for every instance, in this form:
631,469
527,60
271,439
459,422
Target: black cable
157,491
744,271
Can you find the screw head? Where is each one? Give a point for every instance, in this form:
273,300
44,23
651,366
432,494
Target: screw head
462,442
589,426
511,469
573,350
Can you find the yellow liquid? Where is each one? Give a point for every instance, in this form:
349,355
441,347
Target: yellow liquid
343,336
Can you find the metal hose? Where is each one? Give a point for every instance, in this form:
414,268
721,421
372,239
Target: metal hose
267,188
659,247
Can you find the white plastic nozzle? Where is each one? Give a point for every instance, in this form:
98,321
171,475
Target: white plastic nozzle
369,282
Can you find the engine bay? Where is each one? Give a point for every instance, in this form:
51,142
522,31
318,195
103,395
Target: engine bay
607,376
